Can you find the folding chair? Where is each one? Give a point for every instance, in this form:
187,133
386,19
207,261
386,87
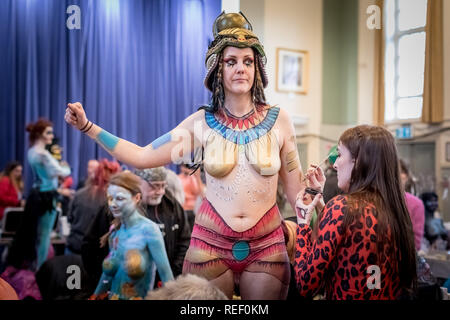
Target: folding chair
12,218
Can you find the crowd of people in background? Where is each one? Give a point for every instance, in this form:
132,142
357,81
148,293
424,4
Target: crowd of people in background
23,265
168,202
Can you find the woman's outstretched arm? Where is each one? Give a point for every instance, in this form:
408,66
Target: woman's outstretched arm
170,147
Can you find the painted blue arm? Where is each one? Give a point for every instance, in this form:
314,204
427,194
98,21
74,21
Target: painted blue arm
53,167
170,147
110,141
158,253
104,285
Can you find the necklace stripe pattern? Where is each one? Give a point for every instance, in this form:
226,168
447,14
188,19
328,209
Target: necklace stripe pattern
227,118
246,136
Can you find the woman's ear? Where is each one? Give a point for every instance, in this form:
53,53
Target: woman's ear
137,197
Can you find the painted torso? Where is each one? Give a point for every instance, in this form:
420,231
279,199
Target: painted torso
130,265
242,181
46,169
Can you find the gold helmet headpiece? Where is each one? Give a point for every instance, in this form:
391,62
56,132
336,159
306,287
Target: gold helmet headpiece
233,29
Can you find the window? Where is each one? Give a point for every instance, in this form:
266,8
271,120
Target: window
405,22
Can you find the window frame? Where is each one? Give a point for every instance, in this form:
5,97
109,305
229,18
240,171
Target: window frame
395,39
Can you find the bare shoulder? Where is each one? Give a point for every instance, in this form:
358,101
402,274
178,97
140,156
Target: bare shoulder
284,126
200,114
283,116
284,122
191,119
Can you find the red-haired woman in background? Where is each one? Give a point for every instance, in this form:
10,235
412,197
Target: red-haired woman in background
42,199
87,202
11,187
31,244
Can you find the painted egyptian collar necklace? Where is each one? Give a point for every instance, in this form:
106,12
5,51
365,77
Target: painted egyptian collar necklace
245,122
225,128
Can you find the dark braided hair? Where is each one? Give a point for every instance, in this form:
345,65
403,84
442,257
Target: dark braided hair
258,88
218,97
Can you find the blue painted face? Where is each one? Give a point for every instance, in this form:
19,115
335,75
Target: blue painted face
136,249
121,202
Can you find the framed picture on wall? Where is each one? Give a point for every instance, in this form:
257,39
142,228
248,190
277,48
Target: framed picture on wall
292,71
447,151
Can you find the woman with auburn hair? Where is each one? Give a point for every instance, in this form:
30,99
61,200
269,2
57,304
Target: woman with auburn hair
136,245
31,244
362,246
32,241
46,170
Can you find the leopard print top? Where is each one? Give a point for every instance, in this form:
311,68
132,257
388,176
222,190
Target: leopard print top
344,262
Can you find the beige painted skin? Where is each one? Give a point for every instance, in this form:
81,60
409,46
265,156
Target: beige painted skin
241,213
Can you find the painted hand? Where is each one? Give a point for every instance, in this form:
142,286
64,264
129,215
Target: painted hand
304,211
316,177
75,115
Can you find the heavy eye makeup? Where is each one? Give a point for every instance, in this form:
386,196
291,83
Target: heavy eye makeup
248,61
232,61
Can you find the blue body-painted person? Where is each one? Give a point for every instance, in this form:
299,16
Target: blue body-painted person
46,170
136,245
30,247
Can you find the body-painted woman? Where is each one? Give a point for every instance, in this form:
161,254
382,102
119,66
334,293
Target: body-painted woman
30,247
42,199
247,145
136,245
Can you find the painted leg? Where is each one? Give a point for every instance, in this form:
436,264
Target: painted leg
215,272
225,282
262,286
45,227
